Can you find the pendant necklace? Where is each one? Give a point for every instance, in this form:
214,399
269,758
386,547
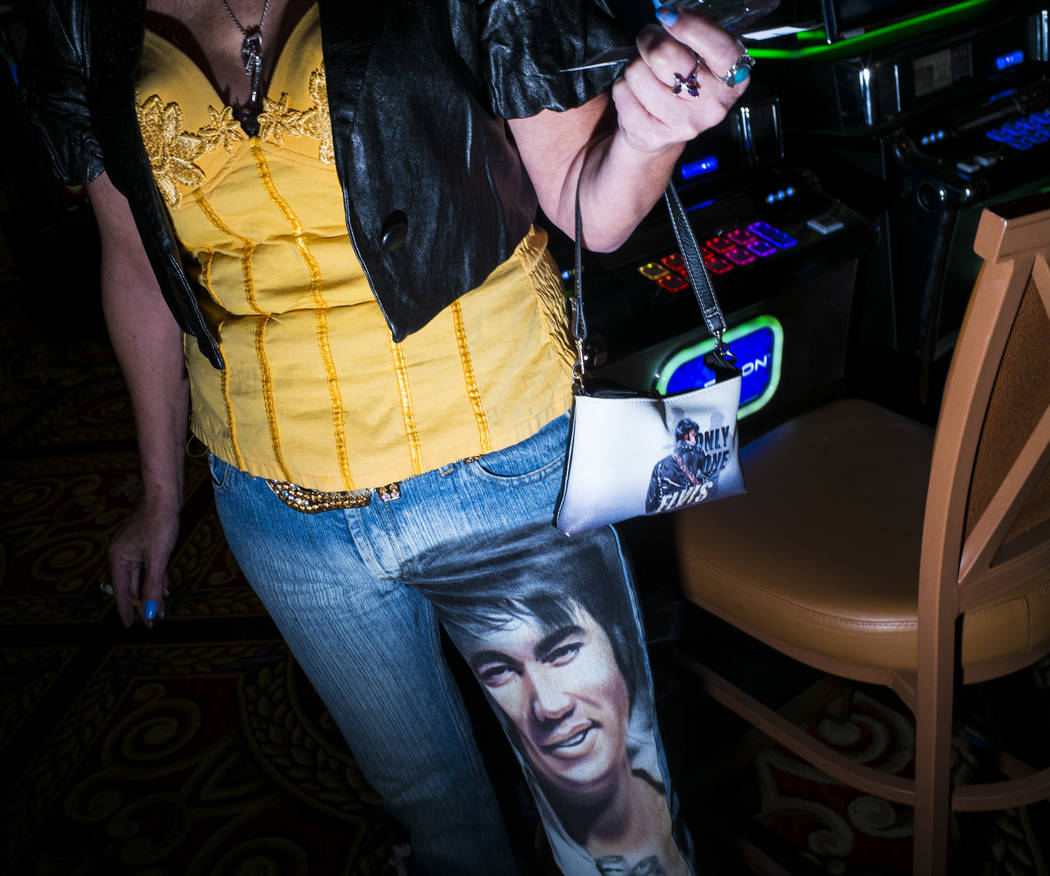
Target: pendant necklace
252,58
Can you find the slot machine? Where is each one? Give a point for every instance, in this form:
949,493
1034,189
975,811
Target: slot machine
918,115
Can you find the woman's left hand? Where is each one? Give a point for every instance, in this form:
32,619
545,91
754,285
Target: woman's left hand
675,89
620,161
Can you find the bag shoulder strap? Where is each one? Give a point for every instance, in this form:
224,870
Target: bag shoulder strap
693,259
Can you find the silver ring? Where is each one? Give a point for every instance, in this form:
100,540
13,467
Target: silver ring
740,70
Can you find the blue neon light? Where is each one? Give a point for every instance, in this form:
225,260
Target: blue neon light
697,168
1004,62
757,352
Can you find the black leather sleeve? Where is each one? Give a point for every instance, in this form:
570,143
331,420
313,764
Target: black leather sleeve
525,44
54,89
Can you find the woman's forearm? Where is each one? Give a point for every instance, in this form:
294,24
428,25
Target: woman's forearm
150,353
618,187
148,344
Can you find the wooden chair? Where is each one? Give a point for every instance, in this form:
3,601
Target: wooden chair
875,548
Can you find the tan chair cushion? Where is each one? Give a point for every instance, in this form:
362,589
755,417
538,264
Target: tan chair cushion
823,552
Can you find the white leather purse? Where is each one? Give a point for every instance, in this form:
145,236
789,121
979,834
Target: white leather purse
632,453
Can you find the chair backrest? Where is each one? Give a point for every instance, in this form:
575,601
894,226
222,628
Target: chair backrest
987,525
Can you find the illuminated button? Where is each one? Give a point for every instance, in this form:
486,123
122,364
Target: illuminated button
741,236
716,264
774,235
1011,59
967,167
985,160
653,270
673,283
998,135
719,244
826,223
761,247
739,256
673,261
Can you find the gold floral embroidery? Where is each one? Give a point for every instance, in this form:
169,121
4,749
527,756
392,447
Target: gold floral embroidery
224,130
278,119
170,149
316,121
173,151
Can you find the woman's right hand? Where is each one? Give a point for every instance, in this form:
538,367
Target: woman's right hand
138,561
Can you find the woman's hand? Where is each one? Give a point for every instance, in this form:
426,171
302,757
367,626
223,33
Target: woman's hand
620,151
675,90
138,561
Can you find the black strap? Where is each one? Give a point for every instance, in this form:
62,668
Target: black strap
694,264
579,324
691,256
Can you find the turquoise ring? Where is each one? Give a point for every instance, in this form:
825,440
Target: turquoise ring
740,70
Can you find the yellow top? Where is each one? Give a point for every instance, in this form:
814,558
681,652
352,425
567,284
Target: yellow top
315,391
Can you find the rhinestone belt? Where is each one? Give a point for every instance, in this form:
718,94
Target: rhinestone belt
317,501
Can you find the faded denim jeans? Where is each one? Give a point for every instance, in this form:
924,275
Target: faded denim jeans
358,595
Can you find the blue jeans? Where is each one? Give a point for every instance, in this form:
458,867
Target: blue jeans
368,639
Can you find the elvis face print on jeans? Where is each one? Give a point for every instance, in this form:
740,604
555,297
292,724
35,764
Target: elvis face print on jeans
549,626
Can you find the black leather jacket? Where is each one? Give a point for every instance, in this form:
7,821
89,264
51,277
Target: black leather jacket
678,471
434,199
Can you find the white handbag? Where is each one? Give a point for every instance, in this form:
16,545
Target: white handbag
632,453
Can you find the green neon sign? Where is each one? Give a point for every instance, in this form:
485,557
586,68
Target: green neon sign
873,39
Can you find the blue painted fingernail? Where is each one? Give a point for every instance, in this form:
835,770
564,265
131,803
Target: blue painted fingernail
667,15
149,611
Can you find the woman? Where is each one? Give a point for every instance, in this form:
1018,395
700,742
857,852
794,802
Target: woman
316,225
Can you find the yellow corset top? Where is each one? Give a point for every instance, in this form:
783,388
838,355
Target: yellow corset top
315,391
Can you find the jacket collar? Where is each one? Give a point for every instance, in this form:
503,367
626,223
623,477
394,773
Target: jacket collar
349,34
